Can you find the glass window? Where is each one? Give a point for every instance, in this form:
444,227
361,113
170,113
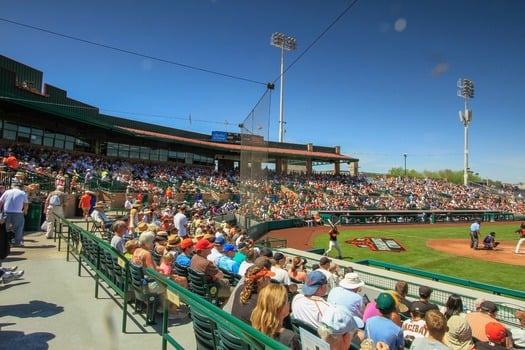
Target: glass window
23,137
59,143
69,145
10,126
48,141
35,139
60,137
35,131
9,134
24,129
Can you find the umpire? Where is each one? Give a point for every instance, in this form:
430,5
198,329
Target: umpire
474,234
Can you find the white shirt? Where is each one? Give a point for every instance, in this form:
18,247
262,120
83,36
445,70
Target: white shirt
309,309
180,222
281,275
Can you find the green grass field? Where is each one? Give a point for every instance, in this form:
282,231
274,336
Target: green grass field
419,256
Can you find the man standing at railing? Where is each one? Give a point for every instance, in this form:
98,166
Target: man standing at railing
54,205
14,204
474,234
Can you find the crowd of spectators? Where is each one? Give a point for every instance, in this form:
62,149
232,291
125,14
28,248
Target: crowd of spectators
272,196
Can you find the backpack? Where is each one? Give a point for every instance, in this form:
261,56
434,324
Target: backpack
54,200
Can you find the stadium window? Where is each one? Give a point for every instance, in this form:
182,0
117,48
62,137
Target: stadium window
36,140
9,134
59,144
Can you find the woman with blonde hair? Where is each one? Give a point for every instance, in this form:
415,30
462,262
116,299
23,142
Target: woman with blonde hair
245,297
271,309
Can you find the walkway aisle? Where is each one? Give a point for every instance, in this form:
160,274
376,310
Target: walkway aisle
52,308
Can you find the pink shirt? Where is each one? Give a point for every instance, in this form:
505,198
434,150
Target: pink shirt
166,269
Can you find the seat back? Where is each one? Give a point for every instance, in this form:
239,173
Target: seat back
156,257
199,285
232,277
298,323
205,331
180,269
229,341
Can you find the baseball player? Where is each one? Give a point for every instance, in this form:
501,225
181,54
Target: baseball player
332,243
490,241
521,232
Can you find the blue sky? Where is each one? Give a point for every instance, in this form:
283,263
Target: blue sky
381,82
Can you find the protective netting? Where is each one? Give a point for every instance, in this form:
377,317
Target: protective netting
254,151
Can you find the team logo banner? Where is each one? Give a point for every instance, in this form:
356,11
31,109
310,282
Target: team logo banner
378,244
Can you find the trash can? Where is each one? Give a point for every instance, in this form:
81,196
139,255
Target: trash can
33,217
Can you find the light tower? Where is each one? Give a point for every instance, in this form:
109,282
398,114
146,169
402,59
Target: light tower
287,43
466,91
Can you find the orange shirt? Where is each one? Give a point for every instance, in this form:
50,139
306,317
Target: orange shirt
85,201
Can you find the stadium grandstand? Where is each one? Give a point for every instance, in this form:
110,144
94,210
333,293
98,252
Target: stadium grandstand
224,186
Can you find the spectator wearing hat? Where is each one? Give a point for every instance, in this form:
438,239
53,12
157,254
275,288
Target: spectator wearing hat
459,334
496,337
186,247
279,268
437,327
337,327
141,227
309,306
161,240
518,334
245,297
415,326
324,267
173,246
479,319
99,216
54,205
424,296
346,294
217,250
199,263
226,261
381,327
180,221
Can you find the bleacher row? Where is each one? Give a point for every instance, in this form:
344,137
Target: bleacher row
214,328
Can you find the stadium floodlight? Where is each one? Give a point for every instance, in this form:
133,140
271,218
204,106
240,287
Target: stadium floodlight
285,43
405,155
466,91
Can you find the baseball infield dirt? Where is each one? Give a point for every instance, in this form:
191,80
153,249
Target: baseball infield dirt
302,238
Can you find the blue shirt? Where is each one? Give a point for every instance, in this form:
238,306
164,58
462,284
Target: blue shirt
183,260
227,263
14,200
380,328
474,227
351,300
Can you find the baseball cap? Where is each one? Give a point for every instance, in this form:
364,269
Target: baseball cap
418,308
186,243
338,319
495,331
203,244
278,256
229,248
219,241
488,306
324,260
425,291
385,303
314,280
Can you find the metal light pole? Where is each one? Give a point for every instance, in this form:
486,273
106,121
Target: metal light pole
405,155
287,43
466,91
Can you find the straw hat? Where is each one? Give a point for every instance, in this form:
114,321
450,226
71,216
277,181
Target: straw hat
141,227
173,241
99,204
